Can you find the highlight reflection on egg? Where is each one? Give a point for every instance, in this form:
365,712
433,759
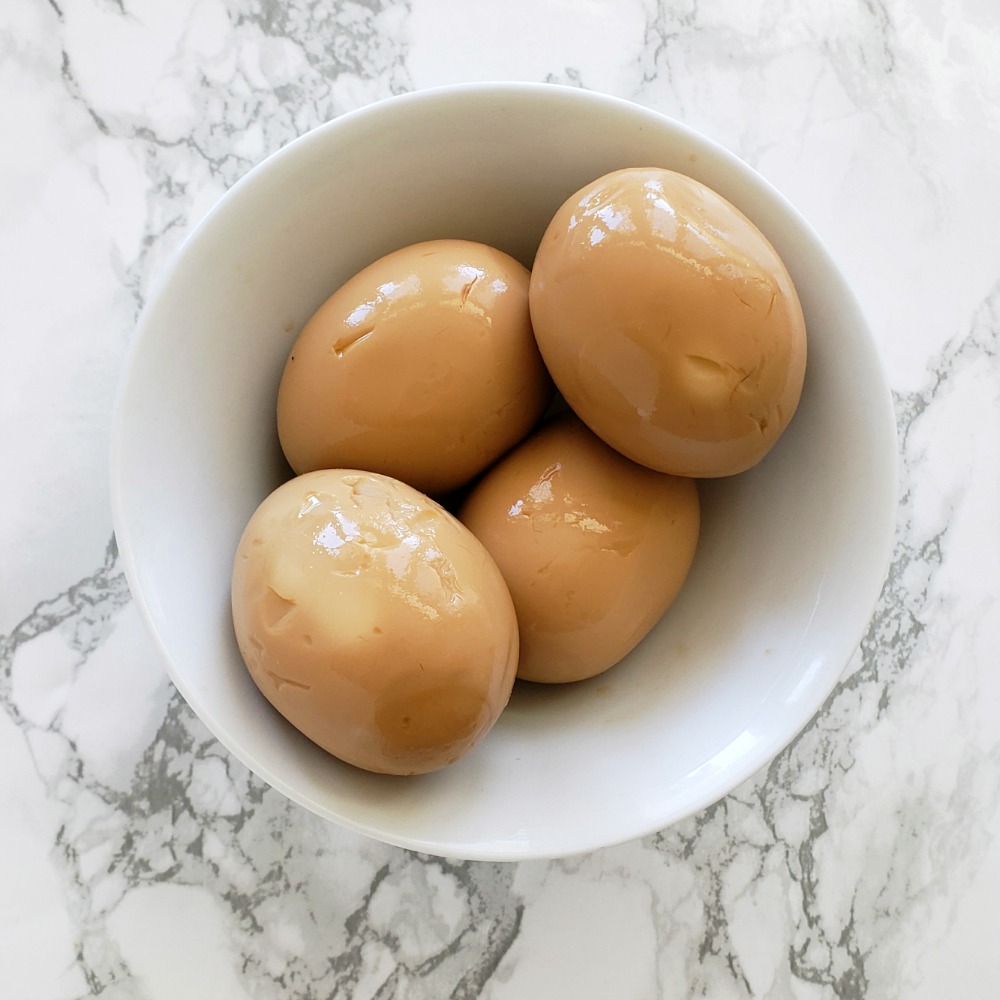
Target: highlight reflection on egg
594,548
373,621
669,323
422,367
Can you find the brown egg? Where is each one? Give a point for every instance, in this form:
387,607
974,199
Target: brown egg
669,323
594,548
373,621
422,367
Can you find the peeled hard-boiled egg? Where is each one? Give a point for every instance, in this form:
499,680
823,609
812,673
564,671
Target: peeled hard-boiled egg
594,548
422,367
669,323
373,621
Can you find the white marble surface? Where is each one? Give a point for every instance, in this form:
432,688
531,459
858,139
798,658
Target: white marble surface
137,860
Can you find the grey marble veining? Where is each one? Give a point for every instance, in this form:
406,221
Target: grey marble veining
423,926
139,860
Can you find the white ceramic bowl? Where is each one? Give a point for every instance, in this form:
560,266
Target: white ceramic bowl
792,555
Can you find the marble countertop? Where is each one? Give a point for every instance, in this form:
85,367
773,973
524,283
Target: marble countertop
139,860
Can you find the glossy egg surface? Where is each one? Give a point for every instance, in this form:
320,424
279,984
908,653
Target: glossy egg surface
593,547
669,323
422,367
373,621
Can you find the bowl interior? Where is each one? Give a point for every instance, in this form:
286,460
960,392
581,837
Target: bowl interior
792,555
